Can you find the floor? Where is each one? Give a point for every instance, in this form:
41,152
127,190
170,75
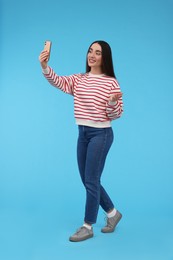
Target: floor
28,233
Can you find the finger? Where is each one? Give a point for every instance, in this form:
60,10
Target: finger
43,56
119,95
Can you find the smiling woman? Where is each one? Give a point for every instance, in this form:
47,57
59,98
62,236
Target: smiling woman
100,52
41,197
97,101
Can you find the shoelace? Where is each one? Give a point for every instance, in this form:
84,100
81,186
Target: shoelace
108,223
78,230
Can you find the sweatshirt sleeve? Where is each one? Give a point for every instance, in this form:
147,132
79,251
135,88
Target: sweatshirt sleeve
114,110
64,83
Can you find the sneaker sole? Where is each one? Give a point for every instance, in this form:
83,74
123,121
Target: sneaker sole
71,239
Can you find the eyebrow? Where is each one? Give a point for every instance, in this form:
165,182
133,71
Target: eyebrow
96,50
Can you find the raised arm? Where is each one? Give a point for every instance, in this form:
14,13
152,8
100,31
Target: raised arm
64,83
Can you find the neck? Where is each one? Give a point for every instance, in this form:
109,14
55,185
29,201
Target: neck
96,71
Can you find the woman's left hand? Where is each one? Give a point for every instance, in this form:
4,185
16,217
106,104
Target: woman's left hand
115,97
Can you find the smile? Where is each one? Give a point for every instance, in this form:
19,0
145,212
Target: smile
91,60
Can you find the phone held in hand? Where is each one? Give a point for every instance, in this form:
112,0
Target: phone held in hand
47,47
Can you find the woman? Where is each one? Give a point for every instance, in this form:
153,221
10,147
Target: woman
97,101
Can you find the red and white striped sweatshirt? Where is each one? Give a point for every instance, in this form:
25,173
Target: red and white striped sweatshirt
91,96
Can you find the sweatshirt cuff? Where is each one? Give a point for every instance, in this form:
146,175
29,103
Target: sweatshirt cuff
46,71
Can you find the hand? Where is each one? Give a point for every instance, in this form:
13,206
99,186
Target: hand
43,58
115,97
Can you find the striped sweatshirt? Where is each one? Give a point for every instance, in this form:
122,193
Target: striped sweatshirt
91,96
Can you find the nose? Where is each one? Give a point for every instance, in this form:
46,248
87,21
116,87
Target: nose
91,55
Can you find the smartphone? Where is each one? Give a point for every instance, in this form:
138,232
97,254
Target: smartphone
47,47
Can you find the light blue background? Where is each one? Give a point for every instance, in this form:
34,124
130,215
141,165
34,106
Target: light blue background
41,196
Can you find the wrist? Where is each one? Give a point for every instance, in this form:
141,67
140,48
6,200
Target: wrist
43,65
46,70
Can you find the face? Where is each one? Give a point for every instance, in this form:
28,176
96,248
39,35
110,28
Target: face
95,56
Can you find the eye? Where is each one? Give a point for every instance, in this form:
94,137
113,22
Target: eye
98,53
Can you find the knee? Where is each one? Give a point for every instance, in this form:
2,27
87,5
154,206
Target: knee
92,184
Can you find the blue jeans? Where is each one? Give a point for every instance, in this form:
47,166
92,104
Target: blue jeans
92,149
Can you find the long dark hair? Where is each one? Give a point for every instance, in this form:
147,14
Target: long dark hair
107,62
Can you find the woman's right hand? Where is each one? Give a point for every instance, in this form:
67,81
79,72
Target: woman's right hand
43,58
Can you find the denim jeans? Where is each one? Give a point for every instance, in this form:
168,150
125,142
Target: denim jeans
92,148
